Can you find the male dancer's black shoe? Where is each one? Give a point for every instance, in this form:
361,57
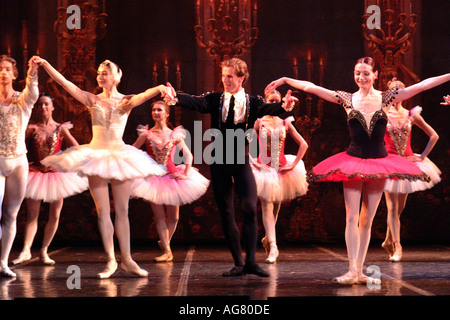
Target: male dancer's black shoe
255,269
236,271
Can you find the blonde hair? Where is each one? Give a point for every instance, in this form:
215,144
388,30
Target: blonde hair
240,66
115,70
4,57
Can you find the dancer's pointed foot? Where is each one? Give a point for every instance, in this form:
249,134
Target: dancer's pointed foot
388,247
25,255
348,278
131,266
6,272
45,258
397,256
273,253
111,267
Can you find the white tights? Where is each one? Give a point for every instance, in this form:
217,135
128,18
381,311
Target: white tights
13,184
270,212
359,216
121,194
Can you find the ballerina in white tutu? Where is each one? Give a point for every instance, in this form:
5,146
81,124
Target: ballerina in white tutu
44,137
107,159
279,177
182,184
398,141
15,112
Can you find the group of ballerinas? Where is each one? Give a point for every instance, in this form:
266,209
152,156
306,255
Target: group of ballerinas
366,169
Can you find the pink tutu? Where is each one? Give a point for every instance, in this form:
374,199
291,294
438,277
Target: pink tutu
169,191
405,186
343,167
52,186
275,186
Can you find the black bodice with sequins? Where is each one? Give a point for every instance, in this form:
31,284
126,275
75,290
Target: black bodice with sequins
367,139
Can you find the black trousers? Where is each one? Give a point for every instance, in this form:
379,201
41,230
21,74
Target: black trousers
227,179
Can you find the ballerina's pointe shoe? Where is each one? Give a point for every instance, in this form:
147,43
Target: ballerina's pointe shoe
6,272
23,256
111,267
273,253
43,256
388,247
348,278
132,267
167,255
397,256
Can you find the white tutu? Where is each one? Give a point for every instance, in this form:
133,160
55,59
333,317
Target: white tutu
122,163
274,186
169,191
52,186
406,186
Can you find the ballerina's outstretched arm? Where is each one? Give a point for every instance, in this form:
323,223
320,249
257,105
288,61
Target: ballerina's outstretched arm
326,94
86,98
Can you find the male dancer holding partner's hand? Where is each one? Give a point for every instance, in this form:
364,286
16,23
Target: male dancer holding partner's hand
231,111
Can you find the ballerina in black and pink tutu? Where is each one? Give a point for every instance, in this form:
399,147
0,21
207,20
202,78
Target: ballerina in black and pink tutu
366,165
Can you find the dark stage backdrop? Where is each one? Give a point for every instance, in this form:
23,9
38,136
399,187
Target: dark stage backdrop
141,33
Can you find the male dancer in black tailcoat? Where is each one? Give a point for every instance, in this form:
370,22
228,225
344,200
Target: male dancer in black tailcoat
231,164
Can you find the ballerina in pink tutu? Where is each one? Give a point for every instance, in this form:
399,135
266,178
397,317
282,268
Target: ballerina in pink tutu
107,159
182,184
45,137
398,141
365,166
279,176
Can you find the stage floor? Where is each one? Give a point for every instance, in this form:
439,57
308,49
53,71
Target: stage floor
301,271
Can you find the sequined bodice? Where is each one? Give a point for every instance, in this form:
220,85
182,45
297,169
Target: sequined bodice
42,147
398,138
366,139
108,125
271,142
161,153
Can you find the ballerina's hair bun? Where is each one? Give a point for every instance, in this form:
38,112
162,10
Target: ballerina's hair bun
395,83
115,70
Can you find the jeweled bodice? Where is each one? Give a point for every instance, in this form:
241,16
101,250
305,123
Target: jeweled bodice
271,141
366,138
108,125
398,138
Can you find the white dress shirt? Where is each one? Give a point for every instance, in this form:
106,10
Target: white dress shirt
240,104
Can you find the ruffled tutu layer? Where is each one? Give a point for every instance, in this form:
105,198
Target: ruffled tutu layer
169,191
52,186
122,163
405,186
275,186
343,167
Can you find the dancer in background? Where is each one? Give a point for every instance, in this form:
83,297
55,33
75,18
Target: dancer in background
182,184
45,137
398,141
15,112
366,164
278,177
107,159
232,113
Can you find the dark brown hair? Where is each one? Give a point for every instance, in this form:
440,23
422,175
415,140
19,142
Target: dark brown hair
367,60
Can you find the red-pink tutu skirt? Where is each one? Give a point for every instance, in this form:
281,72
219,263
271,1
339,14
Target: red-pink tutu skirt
343,167
169,191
